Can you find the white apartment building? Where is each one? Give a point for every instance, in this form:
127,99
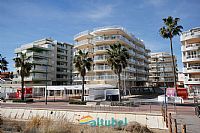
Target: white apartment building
97,41
51,62
161,69
190,48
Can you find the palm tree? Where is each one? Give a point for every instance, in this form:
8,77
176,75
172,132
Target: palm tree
25,67
118,60
3,64
170,30
82,63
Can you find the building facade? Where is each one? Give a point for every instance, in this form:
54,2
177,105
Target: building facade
161,69
190,48
51,62
97,41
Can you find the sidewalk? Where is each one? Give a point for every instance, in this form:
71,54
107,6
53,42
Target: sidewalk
192,123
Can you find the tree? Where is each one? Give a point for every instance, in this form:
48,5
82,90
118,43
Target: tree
118,60
3,63
22,62
170,30
82,63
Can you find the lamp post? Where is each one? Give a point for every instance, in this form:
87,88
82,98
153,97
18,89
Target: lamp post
46,81
164,84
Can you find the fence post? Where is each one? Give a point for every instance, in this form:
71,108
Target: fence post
166,119
150,107
175,126
170,123
183,128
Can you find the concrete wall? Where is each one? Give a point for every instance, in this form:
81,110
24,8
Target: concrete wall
151,120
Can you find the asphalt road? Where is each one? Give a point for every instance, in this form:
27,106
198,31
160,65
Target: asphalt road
183,110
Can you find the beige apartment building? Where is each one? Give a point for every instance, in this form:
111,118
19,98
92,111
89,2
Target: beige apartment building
97,41
161,69
190,48
51,62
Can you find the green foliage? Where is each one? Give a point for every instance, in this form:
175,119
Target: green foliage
3,63
82,63
118,60
23,101
170,30
171,27
117,57
22,62
78,102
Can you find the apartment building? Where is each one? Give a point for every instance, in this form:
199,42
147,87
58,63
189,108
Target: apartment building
51,62
161,69
97,41
190,48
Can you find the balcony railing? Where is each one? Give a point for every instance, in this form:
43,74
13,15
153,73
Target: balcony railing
101,48
192,69
102,67
83,42
100,58
194,33
116,37
82,33
193,57
194,79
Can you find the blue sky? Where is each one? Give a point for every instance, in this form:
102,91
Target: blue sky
23,21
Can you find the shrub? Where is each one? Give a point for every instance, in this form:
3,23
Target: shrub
77,102
23,101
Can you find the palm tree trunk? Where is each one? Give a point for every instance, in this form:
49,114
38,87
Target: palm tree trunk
119,86
83,90
174,67
22,89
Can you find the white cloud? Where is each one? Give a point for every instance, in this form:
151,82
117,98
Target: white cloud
100,12
156,3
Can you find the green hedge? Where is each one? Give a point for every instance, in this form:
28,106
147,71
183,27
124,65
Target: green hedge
23,101
77,102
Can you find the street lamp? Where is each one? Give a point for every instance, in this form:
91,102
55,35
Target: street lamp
46,81
164,84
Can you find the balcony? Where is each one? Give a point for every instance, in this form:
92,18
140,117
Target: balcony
44,62
130,69
140,49
100,58
193,58
36,78
114,39
193,69
101,49
131,52
100,77
102,68
38,71
85,43
82,34
190,34
141,71
192,81
141,79
132,61
188,47
33,54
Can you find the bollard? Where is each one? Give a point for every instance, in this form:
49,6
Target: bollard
166,119
175,126
150,107
170,123
183,128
